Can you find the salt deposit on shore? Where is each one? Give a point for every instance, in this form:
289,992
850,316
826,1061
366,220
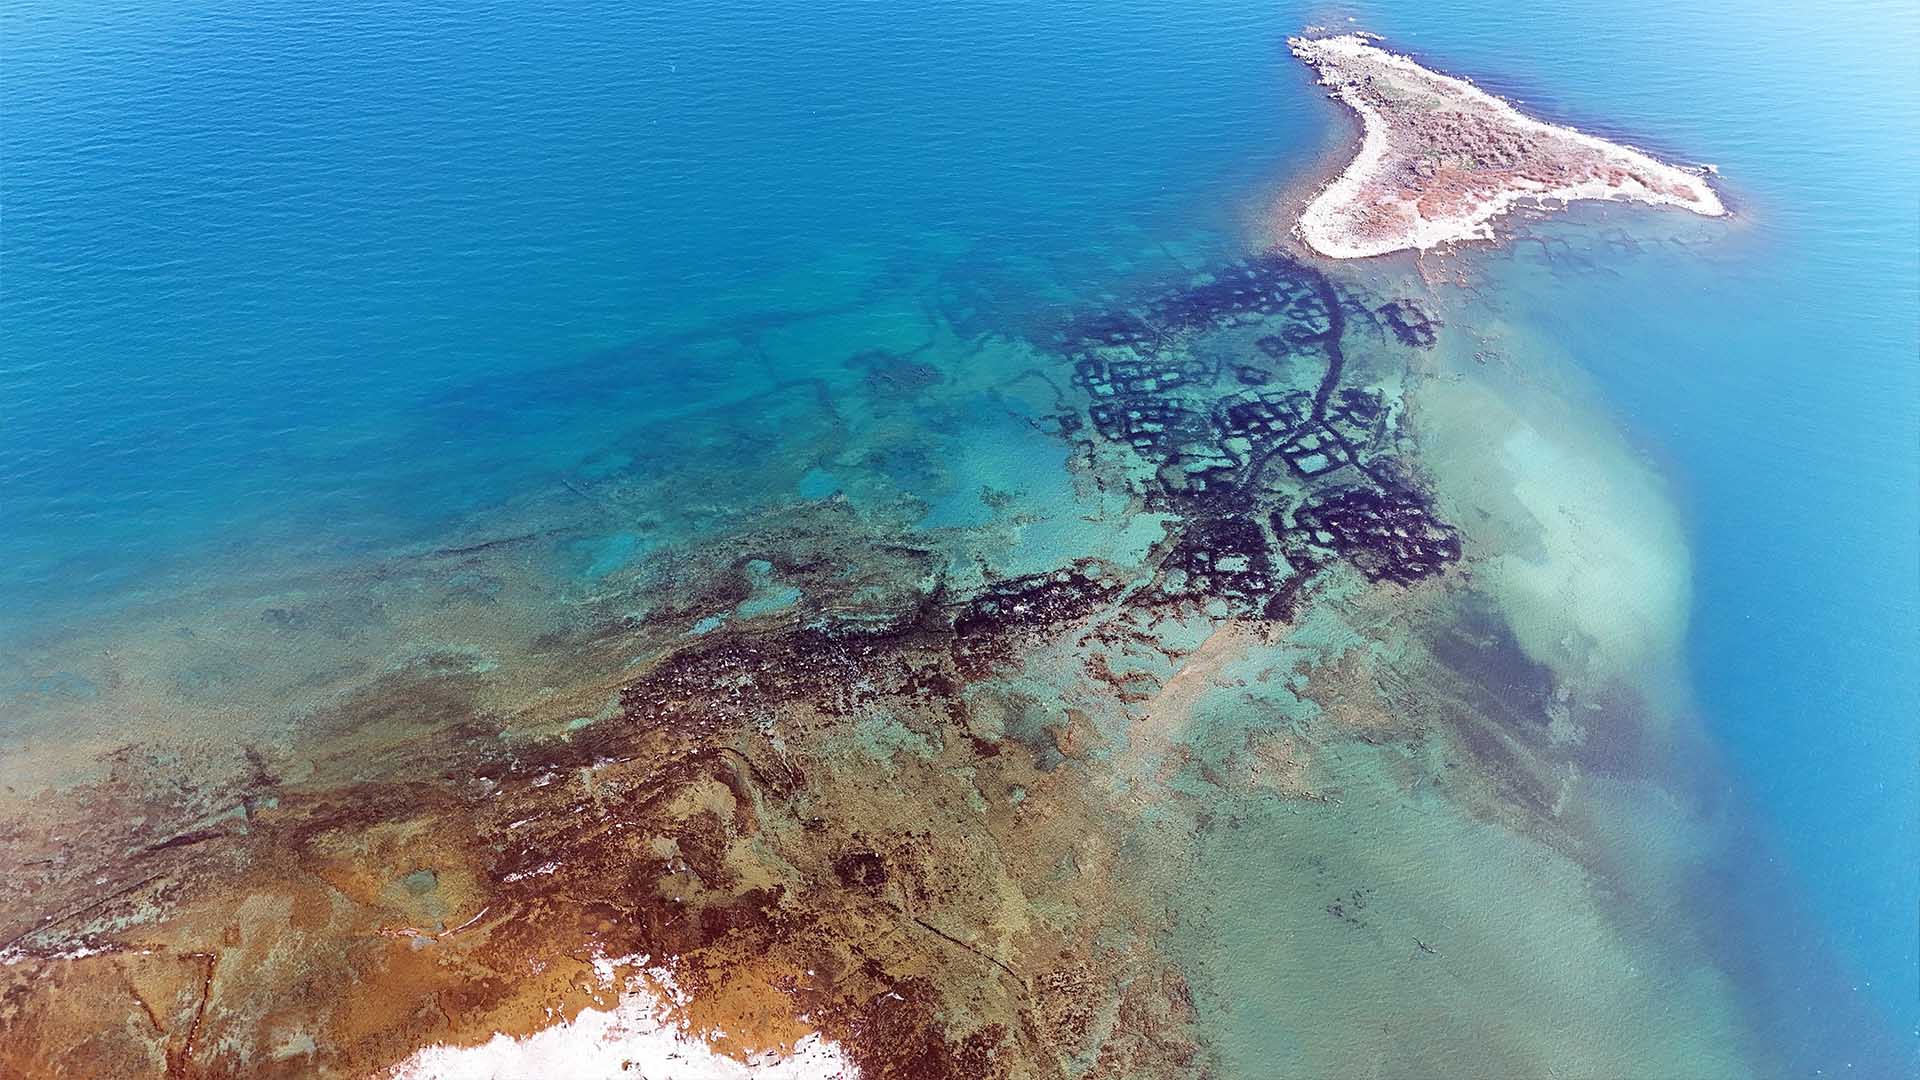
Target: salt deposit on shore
634,1038
1441,158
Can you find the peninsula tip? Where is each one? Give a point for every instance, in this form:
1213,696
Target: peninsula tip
1440,159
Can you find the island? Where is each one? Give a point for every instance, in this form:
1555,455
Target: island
1440,159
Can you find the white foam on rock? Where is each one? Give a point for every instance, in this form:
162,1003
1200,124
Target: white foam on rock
637,1037
1327,224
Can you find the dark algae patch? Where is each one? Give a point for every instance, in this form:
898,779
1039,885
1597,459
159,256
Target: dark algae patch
1233,462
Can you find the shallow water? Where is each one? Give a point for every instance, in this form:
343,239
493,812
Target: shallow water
385,389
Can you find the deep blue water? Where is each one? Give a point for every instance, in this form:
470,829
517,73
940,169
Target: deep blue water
273,274
254,251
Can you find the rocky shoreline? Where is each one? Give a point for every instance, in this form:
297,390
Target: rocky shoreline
1441,159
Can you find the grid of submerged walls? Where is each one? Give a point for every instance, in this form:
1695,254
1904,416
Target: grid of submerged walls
1228,395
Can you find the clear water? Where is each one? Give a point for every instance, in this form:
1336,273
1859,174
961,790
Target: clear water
286,287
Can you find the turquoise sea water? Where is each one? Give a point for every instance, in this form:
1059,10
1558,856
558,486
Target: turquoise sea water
282,286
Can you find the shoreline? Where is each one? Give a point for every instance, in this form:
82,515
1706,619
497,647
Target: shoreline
1393,197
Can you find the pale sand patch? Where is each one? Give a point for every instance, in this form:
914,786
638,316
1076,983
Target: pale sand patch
1440,159
1578,538
1306,926
1171,706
